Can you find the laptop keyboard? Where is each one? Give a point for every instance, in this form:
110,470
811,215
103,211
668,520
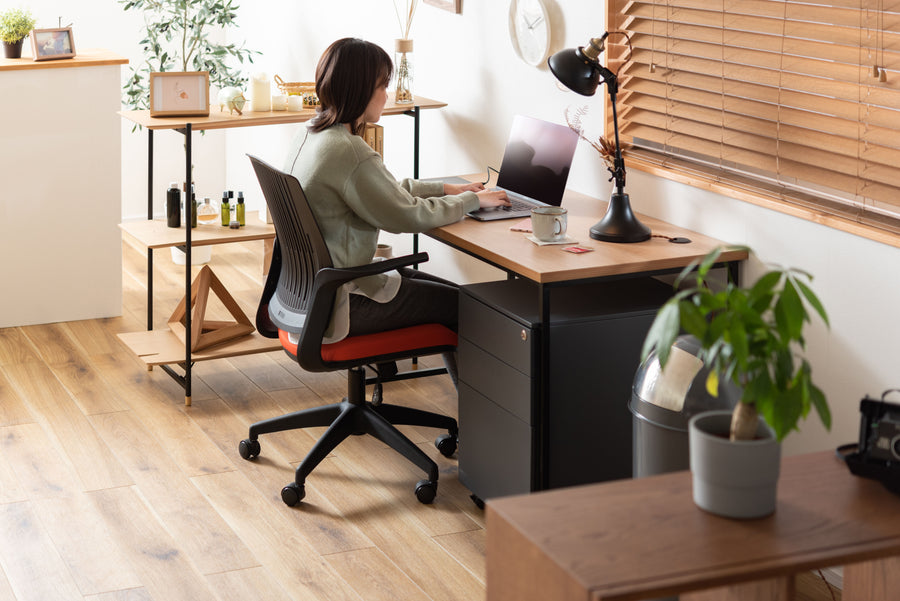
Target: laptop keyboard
517,203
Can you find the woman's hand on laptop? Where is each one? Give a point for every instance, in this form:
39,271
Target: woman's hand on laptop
492,198
451,189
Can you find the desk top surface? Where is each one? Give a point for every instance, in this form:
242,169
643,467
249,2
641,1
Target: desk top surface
494,242
646,536
224,120
94,57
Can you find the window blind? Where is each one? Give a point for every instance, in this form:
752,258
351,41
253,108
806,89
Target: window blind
802,98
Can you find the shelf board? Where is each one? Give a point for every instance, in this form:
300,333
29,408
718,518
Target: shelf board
163,347
156,234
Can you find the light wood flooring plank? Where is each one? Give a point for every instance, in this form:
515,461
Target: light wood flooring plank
52,342
243,585
13,409
80,537
468,548
167,573
134,594
15,347
32,565
183,511
389,525
51,403
267,374
375,576
274,540
40,469
159,404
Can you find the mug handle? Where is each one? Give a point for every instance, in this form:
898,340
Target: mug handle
557,226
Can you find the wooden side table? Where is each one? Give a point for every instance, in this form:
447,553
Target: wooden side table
645,538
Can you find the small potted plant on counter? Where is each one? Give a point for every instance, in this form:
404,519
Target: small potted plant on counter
752,336
15,25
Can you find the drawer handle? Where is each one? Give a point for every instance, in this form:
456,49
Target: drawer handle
524,335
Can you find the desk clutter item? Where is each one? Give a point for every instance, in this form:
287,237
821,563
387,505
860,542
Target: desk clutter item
374,137
204,332
566,240
305,89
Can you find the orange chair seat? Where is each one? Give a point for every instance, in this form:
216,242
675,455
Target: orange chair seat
410,339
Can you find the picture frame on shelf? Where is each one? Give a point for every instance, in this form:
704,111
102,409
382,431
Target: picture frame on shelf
179,94
454,6
52,44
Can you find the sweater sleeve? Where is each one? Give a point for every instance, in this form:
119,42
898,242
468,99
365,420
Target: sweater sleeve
411,206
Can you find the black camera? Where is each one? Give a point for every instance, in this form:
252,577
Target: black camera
877,454
879,430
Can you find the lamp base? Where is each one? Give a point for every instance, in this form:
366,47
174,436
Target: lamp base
619,224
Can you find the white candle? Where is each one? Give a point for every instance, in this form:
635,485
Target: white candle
260,93
295,103
279,103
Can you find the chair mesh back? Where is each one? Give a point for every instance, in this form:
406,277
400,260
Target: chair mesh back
303,249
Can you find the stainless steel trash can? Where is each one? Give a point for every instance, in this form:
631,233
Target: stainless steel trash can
662,403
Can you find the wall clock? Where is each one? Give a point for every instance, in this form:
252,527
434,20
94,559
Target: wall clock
529,30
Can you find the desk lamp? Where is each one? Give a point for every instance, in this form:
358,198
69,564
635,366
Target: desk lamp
580,70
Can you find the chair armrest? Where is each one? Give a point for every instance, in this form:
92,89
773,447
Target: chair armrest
330,278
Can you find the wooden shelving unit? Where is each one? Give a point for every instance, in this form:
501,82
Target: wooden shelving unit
162,347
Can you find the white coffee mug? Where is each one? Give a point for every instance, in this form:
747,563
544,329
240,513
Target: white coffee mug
548,224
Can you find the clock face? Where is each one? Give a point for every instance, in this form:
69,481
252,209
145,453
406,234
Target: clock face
529,30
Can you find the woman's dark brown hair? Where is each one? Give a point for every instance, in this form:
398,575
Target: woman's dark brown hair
348,73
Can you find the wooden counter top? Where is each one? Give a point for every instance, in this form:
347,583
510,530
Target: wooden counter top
93,57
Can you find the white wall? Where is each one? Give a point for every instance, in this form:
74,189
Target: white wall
467,61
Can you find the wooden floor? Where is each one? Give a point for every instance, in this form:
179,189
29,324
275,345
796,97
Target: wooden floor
112,490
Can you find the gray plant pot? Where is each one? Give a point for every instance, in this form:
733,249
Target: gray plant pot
735,479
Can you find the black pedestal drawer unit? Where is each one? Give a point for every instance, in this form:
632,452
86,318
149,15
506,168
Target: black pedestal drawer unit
513,441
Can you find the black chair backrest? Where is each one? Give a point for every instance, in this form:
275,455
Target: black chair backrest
300,252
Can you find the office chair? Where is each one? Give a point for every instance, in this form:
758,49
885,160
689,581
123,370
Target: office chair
297,301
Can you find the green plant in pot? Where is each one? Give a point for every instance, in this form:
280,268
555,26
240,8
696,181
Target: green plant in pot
15,25
752,336
181,36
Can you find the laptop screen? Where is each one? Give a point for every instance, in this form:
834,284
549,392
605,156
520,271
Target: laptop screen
537,159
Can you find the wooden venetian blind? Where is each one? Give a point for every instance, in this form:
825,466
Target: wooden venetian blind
801,97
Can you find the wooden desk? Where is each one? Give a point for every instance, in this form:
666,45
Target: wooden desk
645,538
554,373
156,349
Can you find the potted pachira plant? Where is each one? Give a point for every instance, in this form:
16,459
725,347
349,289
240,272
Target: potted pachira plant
754,337
15,25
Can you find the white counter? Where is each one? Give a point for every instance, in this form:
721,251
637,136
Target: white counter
60,168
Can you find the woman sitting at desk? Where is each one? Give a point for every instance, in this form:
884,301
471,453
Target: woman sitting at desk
354,196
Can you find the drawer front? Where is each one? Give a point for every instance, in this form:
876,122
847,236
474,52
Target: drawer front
495,448
502,337
509,388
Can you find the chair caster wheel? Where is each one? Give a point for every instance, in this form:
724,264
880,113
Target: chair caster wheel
249,449
446,444
479,503
426,490
293,493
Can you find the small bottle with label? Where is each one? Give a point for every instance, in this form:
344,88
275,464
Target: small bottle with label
233,224
173,205
241,211
207,214
226,210
194,208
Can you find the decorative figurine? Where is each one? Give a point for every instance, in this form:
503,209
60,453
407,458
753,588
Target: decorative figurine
232,99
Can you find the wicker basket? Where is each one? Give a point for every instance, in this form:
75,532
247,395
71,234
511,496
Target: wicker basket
306,89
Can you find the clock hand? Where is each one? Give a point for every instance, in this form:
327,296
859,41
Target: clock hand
536,21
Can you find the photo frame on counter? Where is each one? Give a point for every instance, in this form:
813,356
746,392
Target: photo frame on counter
179,94
454,6
52,44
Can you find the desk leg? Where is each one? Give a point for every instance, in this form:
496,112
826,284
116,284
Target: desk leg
876,580
150,218
775,589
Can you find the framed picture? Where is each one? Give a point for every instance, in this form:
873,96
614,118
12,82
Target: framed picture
50,44
454,6
179,94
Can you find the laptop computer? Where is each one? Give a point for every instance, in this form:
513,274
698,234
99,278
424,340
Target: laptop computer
535,167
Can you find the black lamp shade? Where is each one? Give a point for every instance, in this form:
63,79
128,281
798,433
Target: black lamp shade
574,70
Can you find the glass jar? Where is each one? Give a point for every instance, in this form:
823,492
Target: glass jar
403,66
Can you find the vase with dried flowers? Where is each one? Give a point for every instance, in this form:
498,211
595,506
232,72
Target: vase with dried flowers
403,48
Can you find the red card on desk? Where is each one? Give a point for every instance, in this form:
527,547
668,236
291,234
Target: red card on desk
521,226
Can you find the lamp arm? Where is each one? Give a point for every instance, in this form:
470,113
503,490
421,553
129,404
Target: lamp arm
618,168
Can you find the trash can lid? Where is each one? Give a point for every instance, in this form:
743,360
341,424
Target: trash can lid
670,397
